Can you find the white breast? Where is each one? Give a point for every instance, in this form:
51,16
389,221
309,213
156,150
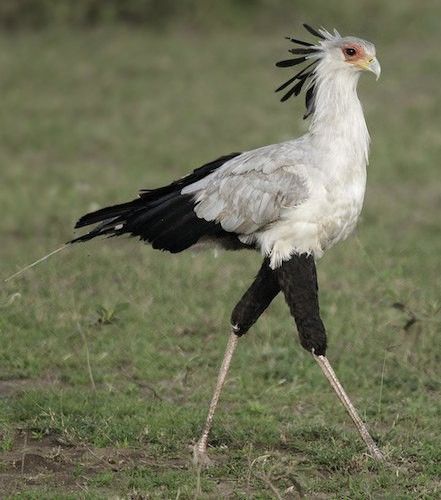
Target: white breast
329,216
341,211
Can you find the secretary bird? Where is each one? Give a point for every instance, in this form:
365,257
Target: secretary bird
291,201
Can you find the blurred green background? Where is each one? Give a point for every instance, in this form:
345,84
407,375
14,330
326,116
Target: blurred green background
203,15
110,351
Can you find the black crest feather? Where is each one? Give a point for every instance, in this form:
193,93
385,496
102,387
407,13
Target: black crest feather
309,98
313,31
287,63
299,42
305,77
303,51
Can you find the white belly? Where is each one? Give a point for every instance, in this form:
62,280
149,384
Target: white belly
340,223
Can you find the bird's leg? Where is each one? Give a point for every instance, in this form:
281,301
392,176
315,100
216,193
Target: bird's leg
200,456
252,304
298,281
347,403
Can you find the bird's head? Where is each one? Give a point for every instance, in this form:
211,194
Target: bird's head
337,54
350,54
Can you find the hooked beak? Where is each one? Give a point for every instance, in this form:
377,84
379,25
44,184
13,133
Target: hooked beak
372,65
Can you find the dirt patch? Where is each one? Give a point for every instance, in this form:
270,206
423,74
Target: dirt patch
14,386
52,462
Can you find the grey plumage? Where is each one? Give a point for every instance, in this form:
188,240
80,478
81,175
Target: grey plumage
248,192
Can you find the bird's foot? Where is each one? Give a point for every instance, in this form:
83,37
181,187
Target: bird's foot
200,455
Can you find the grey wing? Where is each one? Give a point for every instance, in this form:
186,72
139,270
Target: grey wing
250,191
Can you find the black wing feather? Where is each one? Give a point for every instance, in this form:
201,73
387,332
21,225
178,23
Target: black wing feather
163,217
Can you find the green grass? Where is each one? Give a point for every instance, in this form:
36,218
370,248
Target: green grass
111,349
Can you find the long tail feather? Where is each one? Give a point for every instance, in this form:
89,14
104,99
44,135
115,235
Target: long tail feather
162,217
39,261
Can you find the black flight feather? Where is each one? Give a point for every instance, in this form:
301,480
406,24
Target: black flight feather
163,217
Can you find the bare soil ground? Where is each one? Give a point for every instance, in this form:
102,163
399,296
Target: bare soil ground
49,461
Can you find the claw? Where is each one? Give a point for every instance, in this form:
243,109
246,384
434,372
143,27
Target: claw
200,456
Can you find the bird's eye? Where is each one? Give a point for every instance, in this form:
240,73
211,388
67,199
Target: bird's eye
350,51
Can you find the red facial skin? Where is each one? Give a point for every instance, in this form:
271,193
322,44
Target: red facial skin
353,58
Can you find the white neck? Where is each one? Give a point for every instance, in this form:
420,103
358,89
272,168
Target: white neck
338,124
